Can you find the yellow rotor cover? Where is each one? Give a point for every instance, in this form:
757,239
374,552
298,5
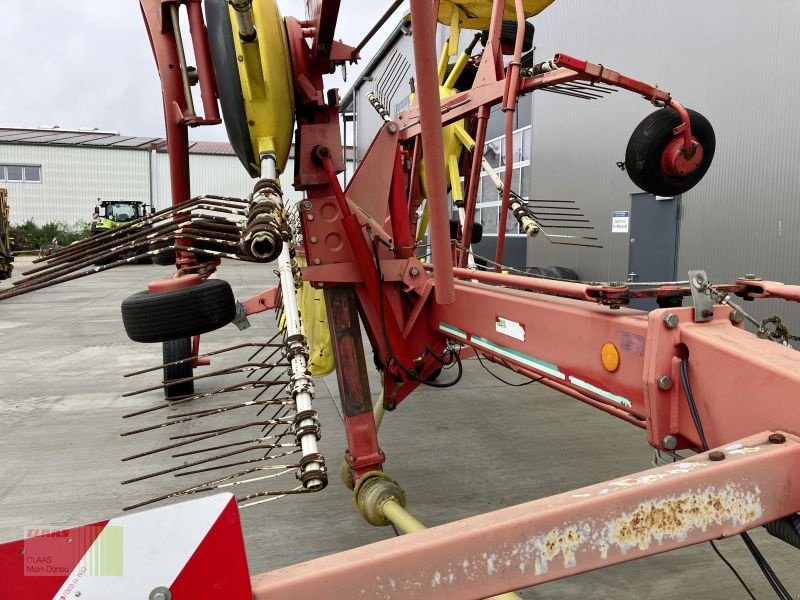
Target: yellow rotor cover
265,71
477,14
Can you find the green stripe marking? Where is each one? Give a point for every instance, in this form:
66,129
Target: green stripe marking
455,331
613,397
515,355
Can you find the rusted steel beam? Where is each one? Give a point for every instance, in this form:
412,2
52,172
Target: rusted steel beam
709,496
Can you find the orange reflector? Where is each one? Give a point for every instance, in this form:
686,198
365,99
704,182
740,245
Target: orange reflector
610,357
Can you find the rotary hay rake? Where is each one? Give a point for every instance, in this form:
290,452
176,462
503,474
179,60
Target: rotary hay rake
359,244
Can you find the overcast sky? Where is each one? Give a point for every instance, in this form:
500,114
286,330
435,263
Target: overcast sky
88,63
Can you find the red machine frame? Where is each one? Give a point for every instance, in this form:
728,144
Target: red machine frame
360,249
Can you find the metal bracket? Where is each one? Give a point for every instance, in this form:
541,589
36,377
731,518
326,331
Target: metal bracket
240,320
701,299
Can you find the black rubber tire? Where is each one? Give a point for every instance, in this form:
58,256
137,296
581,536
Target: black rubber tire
434,376
561,273
508,35
165,258
107,259
466,79
477,231
173,350
647,144
535,271
142,258
178,313
231,98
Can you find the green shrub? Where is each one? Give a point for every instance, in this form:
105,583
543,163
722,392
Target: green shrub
32,236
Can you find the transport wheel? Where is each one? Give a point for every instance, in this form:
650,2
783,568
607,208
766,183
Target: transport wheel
434,376
508,36
561,273
466,79
178,313
165,259
652,140
477,231
106,259
178,350
142,258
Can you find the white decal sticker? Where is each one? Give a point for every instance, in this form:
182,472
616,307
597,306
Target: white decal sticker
510,328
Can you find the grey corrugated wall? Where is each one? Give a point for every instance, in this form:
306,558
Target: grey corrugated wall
734,61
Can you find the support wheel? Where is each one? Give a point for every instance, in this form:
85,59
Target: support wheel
508,36
434,376
466,79
645,155
178,313
561,273
178,350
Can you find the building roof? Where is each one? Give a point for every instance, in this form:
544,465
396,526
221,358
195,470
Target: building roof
101,139
111,139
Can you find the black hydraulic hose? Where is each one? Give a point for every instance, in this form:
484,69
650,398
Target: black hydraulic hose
777,586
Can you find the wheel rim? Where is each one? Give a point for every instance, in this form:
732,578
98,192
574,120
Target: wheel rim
675,162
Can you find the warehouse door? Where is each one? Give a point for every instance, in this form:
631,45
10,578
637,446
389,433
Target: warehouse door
653,248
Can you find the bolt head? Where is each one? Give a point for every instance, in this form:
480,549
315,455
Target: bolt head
317,261
160,593
664,382
310,217
392,128
306,205
671,320
699,279
313,239
413,271
707,313
736,317
670,442
750,276
777,438
716,455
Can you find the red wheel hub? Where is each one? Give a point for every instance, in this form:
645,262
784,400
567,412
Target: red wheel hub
676,161
173,283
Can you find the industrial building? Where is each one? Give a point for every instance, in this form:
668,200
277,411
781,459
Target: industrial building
57,175
742,218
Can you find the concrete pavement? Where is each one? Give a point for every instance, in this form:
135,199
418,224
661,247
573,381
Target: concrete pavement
458,452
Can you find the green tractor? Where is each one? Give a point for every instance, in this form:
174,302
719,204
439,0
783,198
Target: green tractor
110,213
